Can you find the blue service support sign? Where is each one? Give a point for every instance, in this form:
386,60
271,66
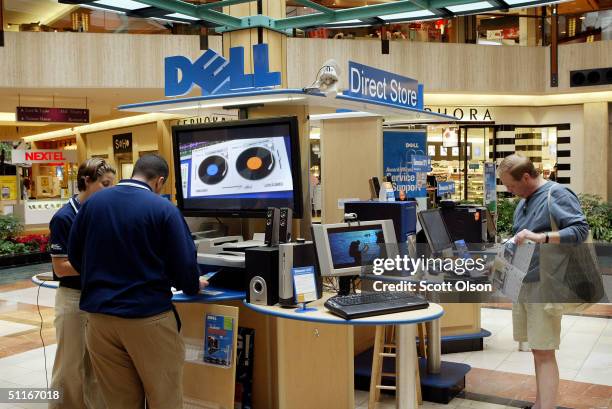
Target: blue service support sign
446,188
399,149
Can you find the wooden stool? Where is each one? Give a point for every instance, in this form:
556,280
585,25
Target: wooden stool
385,347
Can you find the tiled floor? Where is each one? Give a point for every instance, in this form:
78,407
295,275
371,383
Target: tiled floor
388,402
585,356
14,274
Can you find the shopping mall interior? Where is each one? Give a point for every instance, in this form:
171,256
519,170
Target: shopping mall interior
83,79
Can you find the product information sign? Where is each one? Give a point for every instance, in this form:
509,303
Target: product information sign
399,150
421,163
218,340
304,284
490,187
446,188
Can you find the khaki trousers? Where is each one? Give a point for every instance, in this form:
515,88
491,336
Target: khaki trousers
72,371
137,358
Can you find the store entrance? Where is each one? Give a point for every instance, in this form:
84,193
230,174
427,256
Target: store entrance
125,165
475,143
460,158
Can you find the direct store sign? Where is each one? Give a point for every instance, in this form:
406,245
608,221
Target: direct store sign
385,87
43,156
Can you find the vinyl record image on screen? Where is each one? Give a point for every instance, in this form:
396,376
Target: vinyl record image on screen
255,163
212,170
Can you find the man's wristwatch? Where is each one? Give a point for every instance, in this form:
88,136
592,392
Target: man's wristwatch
546,237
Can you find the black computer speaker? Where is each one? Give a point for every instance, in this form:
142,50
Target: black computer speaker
284,225
593,76
272,221
261,265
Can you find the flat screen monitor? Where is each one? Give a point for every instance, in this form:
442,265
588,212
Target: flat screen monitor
343,249
238,168
437,234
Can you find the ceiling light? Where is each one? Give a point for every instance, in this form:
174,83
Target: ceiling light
347,26
348,22
582,18
122,4
104,9
7,117
183,16
470,7
532,3
407,15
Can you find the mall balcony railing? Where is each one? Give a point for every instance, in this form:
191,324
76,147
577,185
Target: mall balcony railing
495,28
528,27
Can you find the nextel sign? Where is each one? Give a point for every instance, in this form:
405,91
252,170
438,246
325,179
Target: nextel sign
381,86
43,156
214,74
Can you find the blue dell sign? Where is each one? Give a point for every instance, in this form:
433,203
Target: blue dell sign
214,74
381,86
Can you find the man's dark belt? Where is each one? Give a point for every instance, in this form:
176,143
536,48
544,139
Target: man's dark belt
177,318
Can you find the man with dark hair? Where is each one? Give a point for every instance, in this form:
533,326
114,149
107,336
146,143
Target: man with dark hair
533,219
131,246
72,371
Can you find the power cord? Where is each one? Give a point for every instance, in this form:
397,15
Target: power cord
42,340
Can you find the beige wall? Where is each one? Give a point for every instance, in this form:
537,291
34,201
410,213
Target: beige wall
581,56
596,165
89,60
465,68
144,138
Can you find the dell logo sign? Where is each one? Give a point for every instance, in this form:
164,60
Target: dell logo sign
214,74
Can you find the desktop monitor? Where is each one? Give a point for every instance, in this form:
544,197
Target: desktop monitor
343,248
437,234
238,168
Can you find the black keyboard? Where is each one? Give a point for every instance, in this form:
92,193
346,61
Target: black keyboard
369,304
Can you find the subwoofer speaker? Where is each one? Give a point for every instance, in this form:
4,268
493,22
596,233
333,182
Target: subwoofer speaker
261,265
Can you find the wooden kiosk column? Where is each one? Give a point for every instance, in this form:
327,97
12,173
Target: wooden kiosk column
351,153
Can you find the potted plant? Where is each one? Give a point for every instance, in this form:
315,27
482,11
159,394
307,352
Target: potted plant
18,250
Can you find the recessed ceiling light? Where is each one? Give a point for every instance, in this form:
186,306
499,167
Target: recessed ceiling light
470,7
407,15
183,16
348,22
122,4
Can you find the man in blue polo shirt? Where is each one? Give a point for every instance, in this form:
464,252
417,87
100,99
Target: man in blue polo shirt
131,246
72,371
